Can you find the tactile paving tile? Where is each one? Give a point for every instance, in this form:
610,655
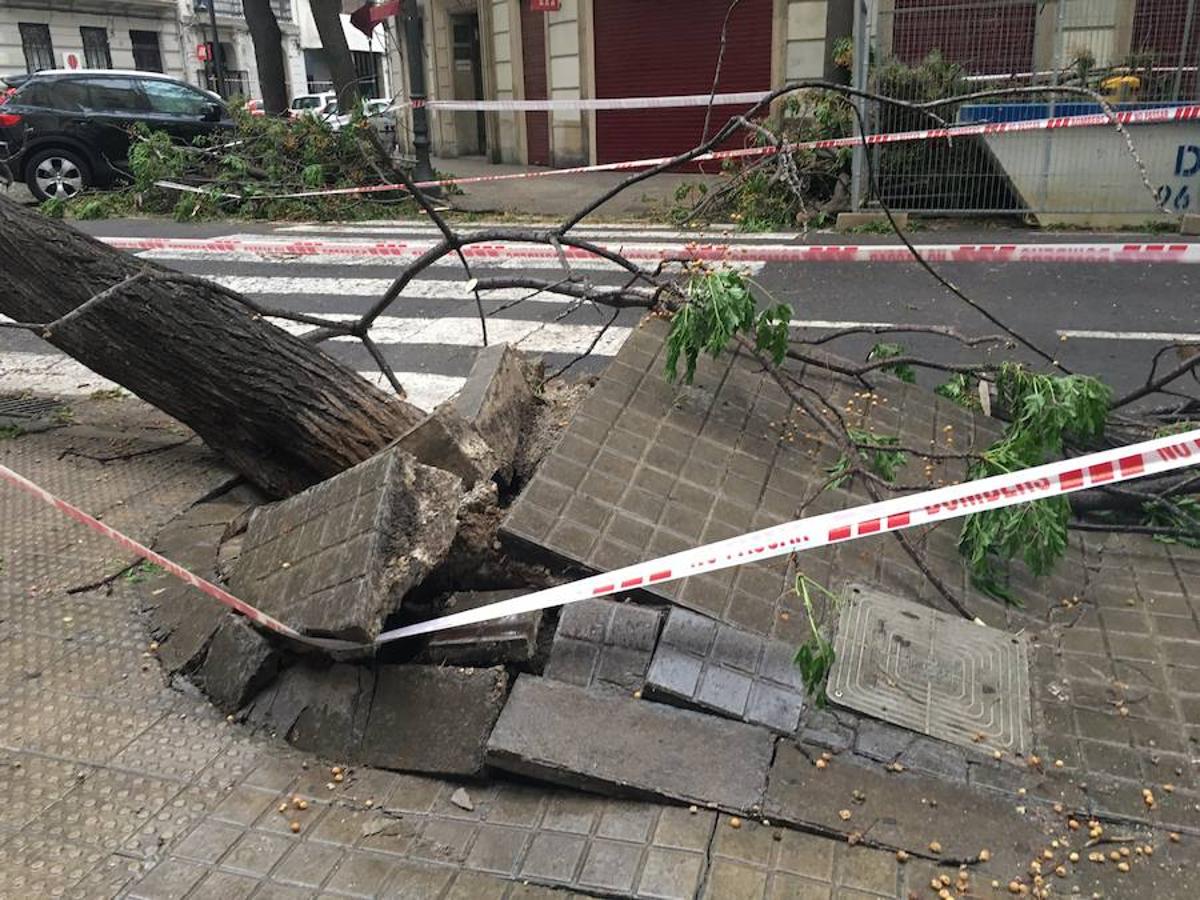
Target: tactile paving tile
933,673
105,808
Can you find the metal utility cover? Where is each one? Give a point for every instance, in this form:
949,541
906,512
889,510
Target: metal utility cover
27,413
943,676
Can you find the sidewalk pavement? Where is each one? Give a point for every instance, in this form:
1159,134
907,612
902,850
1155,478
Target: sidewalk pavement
116,784
561,195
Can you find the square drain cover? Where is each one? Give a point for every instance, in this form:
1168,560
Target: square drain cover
932,673
27,413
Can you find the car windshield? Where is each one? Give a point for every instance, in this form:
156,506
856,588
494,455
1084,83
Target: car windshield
306,103
331,109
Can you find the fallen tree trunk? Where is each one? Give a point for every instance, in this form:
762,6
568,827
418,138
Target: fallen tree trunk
278,409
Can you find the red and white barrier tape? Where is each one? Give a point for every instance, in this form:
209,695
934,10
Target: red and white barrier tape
657,252
1092,120
1053,479
575,104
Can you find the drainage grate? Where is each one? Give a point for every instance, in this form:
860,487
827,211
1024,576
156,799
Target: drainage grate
27,413
932,673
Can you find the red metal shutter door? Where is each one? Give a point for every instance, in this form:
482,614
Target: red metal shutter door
647,49
533,59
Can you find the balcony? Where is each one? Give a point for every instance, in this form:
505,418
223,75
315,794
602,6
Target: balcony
233,8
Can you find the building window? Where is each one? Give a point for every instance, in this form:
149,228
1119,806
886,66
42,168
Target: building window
95,47
146,55
39,52
367,70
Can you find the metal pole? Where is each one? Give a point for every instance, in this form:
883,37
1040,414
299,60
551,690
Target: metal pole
1057,63
416,92
859,80
218,56
1177,87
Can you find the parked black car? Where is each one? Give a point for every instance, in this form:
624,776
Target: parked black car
63,131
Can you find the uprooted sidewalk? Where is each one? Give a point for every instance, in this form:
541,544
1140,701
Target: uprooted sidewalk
118,783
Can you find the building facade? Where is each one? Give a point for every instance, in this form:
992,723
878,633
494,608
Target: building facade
153,35
240,68
508,50
117,34
375,58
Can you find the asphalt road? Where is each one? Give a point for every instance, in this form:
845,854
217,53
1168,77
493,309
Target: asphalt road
1105,319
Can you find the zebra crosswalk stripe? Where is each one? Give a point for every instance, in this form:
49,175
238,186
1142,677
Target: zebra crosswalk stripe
61,376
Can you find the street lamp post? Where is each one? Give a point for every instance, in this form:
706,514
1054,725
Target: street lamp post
218,57
416,91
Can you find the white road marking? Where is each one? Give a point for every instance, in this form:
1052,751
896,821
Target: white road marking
433,289
837,326
590,264
61,376
464,331
607,232
1160,336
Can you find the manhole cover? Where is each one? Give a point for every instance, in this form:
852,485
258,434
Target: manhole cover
929,672
27,413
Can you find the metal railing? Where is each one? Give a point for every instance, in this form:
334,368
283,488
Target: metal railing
1134,53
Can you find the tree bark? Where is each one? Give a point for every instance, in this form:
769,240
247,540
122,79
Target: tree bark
327,16
268,53
278,409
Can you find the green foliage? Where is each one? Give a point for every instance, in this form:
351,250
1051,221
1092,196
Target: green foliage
1175,428
719,306
903,371
10,432
962,389
262,155
884,462
1045,409
816,655
108,394
53,207
1180,515
143,570
755,197
1044,412
929,174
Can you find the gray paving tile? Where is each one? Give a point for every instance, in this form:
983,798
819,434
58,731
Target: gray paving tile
708,665
604,642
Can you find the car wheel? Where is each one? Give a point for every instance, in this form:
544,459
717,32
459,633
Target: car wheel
57,173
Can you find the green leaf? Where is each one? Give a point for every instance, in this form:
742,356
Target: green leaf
719,306
903,371
1045,412
961,389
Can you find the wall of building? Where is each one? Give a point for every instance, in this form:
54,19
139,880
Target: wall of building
65,37
804,47
563,41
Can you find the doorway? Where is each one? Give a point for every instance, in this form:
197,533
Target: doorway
470,132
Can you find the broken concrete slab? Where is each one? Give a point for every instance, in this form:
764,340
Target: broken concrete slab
510,639
900,809
600,740
446,440
646,468
336,559
497,399
704,664
432,718
604,642
180,619
320,709
239,662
